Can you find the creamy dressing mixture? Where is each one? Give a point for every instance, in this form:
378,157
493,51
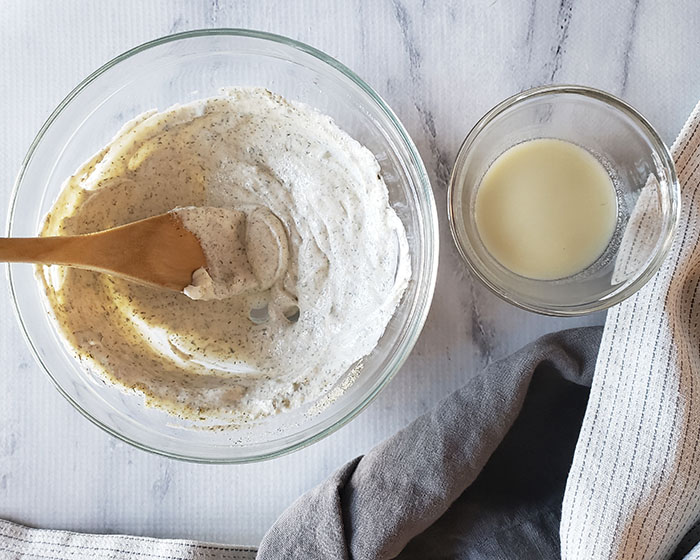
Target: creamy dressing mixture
324,258
245,251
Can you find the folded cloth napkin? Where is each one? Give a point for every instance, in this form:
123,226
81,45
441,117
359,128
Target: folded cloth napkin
634,486
398,496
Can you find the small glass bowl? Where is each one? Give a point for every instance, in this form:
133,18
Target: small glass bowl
638,162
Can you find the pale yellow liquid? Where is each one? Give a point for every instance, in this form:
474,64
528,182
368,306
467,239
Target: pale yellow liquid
546,209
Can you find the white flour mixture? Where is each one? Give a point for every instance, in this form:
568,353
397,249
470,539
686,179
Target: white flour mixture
261,351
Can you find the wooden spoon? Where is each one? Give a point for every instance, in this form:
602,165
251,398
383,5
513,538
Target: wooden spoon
157,251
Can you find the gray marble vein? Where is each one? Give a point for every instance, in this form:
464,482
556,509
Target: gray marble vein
482,333
530,33
161,485
564,17
628,51
440,66
410,44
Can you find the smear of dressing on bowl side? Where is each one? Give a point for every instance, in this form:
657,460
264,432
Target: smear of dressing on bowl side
274,337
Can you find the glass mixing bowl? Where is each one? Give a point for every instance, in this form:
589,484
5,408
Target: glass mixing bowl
641,169
178,69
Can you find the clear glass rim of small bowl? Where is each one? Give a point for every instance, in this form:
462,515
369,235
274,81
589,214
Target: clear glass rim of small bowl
653,265
423,299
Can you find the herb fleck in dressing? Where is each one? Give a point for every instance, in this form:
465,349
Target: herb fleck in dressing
321,259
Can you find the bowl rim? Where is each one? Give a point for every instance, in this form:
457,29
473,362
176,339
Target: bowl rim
424,192
653,264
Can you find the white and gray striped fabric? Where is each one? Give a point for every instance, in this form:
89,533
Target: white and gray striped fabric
19,542
634,487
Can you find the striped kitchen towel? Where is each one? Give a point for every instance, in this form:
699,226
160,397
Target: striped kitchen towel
19,542
634,486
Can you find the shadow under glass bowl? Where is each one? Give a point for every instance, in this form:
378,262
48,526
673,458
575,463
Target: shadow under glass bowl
178,69
642,173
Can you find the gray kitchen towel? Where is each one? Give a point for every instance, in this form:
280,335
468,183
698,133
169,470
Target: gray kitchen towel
481,476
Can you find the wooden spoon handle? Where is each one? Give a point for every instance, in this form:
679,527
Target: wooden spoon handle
98,251
157,251
45,250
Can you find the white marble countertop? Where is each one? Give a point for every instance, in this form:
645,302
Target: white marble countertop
440,65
